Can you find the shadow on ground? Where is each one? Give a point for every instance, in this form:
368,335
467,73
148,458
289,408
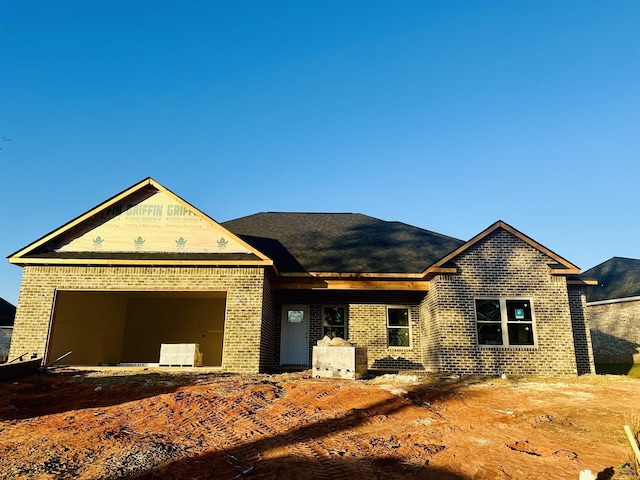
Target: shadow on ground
304,450
68,390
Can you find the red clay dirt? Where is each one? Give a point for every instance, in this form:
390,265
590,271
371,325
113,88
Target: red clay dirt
189,425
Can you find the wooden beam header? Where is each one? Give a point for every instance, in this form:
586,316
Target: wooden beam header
283,283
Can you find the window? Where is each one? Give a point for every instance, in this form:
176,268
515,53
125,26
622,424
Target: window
398,327
295,316
502,321
334,322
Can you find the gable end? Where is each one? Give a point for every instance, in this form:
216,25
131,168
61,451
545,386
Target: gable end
557,265
146,224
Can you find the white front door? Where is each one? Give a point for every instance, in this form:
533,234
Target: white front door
294,337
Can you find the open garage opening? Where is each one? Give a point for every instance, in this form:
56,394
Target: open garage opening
128,327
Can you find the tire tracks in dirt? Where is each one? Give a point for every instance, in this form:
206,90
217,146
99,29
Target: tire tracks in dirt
249,429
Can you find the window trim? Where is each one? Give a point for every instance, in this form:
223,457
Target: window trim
346,318
408,327
504,321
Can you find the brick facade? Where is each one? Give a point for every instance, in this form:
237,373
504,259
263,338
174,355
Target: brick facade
430,331
268,328
501,265
581,330
366,322
443,330
247,319
615,330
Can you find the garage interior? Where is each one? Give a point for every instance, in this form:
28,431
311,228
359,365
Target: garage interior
128,327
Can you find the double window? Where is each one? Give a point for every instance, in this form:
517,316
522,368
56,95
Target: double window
398,327
334,322
504,321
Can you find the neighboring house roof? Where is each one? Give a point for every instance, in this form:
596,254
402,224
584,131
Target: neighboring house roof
7,313
618,277
341,242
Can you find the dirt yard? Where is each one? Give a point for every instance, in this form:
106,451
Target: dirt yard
157,424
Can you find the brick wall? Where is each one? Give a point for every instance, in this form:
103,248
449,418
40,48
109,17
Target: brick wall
430,331
443,329
245,303
366,319
615,331
581,330
501,265
369,327
268,329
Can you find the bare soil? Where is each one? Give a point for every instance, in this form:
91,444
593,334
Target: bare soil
195,425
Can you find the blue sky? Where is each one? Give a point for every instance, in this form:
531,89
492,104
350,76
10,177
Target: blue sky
447,115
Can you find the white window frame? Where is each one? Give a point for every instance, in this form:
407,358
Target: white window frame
504,321
346,319
408,327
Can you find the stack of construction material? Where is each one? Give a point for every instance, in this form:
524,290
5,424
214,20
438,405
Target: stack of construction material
180,355
338,358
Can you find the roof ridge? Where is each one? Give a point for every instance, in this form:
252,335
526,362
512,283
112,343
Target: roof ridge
424,230
608,261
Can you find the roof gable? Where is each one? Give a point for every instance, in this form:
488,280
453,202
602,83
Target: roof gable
557,266
144,222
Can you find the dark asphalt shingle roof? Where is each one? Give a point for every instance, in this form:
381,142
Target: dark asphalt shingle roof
341,242
618,277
